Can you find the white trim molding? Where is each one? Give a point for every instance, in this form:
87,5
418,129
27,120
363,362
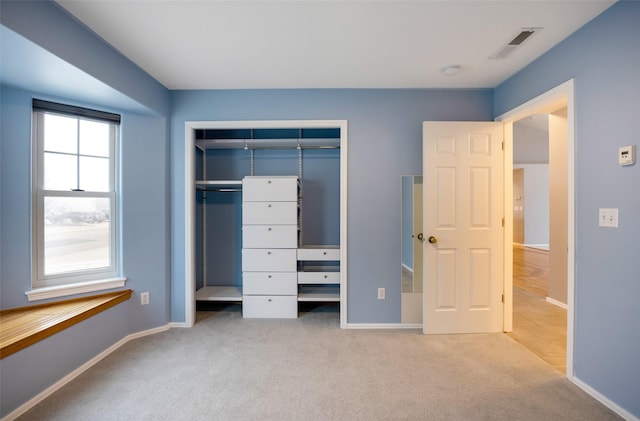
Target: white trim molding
556,303
605,401
384,326
75,288
561,96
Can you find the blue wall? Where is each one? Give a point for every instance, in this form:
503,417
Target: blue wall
603,58
50,27
384,143
144,229
144,170
320,207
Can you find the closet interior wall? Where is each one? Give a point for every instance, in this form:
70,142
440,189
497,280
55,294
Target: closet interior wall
218,233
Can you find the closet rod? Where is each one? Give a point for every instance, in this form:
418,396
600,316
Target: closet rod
218,190
291,147
332,143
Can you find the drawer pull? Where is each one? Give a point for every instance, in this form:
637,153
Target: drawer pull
269,300
268,252
325,253
325,276
269,205
269,276
269,229
269,182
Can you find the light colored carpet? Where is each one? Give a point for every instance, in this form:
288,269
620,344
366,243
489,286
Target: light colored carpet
229,368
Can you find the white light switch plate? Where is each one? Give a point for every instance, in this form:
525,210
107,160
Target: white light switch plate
608,217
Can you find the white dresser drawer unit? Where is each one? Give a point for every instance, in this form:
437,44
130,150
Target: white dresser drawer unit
319,254
269,283
269,260
270,189
269,213
319,277
270,306
269,236
269,244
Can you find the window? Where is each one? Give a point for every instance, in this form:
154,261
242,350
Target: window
74,195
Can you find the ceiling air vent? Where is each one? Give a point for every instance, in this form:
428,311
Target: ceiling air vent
517,41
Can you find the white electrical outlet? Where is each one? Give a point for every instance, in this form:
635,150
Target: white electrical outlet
381,293
608,217
144,298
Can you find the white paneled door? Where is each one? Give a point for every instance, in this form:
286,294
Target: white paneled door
463,227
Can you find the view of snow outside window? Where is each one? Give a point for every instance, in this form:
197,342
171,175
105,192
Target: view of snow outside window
76,229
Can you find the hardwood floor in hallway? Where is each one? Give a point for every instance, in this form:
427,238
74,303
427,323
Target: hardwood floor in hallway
538,325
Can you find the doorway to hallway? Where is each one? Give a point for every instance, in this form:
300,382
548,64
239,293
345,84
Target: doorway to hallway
559,101
538,325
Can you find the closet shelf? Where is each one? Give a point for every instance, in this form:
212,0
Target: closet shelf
219,185
318,269
219,293
316,293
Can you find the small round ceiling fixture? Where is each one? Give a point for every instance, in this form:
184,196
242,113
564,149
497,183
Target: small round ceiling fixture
451,70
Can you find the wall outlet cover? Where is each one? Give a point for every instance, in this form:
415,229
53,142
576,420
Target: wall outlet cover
608,217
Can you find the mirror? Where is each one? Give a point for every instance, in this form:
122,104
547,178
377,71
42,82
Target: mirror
411,264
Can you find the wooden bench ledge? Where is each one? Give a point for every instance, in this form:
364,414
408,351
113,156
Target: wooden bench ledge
24,326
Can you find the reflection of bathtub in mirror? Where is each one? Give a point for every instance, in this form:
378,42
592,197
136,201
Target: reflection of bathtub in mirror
411,264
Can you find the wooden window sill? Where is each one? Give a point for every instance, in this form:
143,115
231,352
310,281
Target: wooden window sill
24,326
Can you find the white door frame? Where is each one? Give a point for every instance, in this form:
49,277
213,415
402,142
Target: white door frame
189,199
552,100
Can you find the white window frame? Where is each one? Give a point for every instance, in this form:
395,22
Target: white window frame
68,283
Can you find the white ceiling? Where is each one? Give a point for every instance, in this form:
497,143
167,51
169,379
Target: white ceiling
243,44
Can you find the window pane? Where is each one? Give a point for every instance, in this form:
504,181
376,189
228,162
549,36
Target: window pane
60,172
60,134
76,234
94,174
94,138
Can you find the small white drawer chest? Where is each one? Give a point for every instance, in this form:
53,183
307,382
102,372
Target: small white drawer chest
319,273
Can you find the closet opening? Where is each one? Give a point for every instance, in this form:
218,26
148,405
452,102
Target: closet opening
267,217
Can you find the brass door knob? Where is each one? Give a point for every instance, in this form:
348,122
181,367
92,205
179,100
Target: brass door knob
432,239
421,237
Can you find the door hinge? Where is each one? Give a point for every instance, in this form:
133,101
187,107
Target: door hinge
503,146
503,222
503,298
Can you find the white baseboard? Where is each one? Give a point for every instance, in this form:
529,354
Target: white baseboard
179,324
75,373
556,303
383,326
604,400
146,332
410,326
538,246
407,268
